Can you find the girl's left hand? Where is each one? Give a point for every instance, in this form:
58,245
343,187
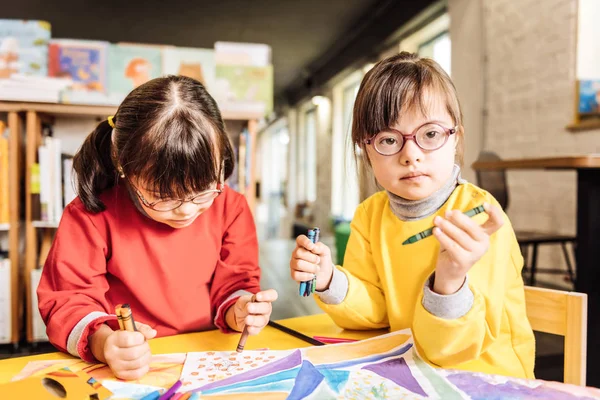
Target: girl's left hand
254,314
462,243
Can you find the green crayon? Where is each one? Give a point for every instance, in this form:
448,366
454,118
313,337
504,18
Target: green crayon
429,232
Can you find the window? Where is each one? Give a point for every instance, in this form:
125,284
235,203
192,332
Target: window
438,49
345,192
432,41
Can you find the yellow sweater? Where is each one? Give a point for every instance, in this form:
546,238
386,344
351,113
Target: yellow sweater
386,280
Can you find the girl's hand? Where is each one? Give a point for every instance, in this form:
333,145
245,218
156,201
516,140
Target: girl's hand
255,314
462,243
310,259
128,353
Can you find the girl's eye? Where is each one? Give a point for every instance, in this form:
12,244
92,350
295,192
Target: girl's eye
388,141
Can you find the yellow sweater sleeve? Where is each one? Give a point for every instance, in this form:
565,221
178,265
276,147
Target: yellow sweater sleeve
364,306
496,284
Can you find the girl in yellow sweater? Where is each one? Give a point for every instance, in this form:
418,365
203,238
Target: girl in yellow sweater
460,290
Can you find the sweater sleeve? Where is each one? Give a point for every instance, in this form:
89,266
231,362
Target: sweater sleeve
72,289
237,272
449,342
364,305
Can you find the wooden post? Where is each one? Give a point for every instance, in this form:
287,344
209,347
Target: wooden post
14,150
31,144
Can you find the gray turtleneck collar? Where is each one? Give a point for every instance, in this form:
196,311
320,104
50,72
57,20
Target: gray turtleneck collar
413,210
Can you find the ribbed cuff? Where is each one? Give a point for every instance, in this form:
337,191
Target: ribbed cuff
78,340
338,288
450,306
219,320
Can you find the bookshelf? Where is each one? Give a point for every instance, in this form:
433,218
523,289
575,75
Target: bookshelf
39,234
12,227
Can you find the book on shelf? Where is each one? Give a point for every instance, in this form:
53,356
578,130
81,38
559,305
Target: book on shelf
37,323
4,177
195,63
5,299
53,184
21,87
23,47
50,178
130,66
69,180
85,62
244,78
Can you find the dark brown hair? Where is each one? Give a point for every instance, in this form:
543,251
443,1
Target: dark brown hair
399,84
168,132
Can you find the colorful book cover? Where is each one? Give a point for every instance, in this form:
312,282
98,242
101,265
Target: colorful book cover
129,66
85,62
589,96
23,47
191,62
245,89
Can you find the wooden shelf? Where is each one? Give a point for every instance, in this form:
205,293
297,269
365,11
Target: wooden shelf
584,125
59,109
561,162
12,227
45,224
96,111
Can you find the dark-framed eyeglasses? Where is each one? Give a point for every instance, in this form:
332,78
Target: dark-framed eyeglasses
171,204
428,137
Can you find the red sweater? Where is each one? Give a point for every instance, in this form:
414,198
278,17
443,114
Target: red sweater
176,280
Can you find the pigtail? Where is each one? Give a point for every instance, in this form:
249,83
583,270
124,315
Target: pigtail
94,167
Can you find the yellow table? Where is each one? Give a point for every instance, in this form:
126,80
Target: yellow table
272,338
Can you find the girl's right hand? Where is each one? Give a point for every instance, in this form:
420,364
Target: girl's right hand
310,258
128,353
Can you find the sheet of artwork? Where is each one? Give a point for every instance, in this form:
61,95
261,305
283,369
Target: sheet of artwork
165,369
385,367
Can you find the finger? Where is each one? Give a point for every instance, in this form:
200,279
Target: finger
302,276
131,353
304,242
133,374
146,330
454,250
460,237
304,266
321,250
256,321
137,363
268,295
495,220
303,254
473,229
126,339
259,308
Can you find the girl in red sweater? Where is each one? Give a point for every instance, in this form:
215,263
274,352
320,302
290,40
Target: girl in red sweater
153,226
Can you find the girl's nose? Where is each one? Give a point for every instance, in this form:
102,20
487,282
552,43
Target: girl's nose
411,153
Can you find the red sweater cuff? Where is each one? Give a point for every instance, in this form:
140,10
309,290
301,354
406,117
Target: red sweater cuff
220,321
83,348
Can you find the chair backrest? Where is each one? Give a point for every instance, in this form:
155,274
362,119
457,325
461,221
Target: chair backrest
494,181
565,314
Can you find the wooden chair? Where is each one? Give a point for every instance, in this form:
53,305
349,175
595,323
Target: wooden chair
494,181
565,314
